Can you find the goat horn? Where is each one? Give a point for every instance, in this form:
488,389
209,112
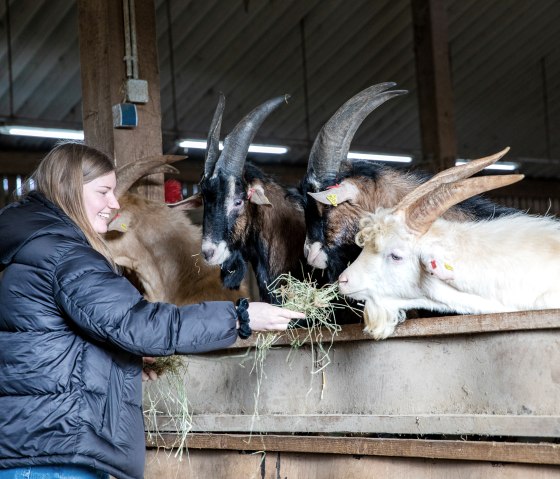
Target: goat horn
236,144
130,173
333,141
450,175
213,141
420,215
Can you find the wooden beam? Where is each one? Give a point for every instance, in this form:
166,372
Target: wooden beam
435,91
539,453
102,49
427,327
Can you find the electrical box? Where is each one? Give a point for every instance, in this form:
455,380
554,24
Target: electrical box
125,115
136,91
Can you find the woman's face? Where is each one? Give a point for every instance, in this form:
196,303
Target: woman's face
99,201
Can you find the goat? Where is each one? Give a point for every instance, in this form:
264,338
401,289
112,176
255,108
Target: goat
248,216
346,190
159,247
412,258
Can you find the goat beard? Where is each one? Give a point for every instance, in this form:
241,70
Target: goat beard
381,322
233,270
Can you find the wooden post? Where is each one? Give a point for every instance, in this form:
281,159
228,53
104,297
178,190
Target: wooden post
103,74
435,91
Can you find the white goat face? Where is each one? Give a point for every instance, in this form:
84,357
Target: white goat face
387,269
385,274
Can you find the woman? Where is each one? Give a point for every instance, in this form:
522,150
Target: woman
73,331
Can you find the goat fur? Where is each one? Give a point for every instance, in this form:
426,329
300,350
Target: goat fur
510,263
161,247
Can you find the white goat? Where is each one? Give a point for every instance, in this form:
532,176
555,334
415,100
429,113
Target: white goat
412,258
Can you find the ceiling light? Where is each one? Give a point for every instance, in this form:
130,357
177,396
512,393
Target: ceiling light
62,134
354,155
270,149
505,166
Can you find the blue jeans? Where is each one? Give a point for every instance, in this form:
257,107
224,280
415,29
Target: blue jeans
53,472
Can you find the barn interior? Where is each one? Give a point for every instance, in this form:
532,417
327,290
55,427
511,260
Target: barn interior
481,75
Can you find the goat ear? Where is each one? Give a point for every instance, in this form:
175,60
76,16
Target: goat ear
436,265
345,191
190,203
121,222
257,196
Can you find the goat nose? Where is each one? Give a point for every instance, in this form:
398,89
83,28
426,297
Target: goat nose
343,278
208,253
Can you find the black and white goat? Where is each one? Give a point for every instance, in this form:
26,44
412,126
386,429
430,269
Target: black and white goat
412,258
248,216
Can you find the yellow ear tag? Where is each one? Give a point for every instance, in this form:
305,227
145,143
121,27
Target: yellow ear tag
448,266
332,199
124,227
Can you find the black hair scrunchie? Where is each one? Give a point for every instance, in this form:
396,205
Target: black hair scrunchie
244,330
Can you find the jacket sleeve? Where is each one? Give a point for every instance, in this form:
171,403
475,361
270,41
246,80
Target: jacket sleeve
106,307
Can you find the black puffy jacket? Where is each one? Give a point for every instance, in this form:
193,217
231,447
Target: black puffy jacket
72,337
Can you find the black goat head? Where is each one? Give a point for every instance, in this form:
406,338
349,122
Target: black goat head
225,192
325,181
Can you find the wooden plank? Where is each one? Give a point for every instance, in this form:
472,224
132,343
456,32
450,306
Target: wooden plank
103,75
532,453
435,91
495,384
428,327
421,424
227,464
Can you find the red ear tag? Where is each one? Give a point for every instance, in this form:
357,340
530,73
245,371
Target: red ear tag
433,263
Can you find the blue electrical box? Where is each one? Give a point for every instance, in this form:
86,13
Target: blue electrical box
125,115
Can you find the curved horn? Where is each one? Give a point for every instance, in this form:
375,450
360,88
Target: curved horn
130,173
450,175
236,144
333,141
420,216
213,141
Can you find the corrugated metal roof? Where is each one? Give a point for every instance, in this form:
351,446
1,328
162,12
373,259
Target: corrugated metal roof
504,59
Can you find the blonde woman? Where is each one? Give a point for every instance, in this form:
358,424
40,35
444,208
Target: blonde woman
73,331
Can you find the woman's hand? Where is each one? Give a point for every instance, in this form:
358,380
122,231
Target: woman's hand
264,316
147,373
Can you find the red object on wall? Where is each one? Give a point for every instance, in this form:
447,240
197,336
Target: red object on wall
173,191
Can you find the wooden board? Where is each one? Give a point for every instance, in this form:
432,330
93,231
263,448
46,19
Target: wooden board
537,453
500,379
234,465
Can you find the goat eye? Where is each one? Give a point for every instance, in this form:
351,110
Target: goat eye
395,257
238,202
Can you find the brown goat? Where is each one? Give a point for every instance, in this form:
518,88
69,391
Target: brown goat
160,247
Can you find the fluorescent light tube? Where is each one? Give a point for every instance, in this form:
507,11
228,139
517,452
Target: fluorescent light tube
505,166
354,155
62,134
270,149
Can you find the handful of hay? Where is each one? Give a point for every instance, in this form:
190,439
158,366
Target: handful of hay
318,304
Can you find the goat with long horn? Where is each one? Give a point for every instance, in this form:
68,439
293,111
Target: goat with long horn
338,192
413,258
248,217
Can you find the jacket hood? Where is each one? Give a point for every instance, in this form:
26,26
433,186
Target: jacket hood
28,219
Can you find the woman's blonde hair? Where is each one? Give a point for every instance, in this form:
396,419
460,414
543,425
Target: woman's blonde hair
60,177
